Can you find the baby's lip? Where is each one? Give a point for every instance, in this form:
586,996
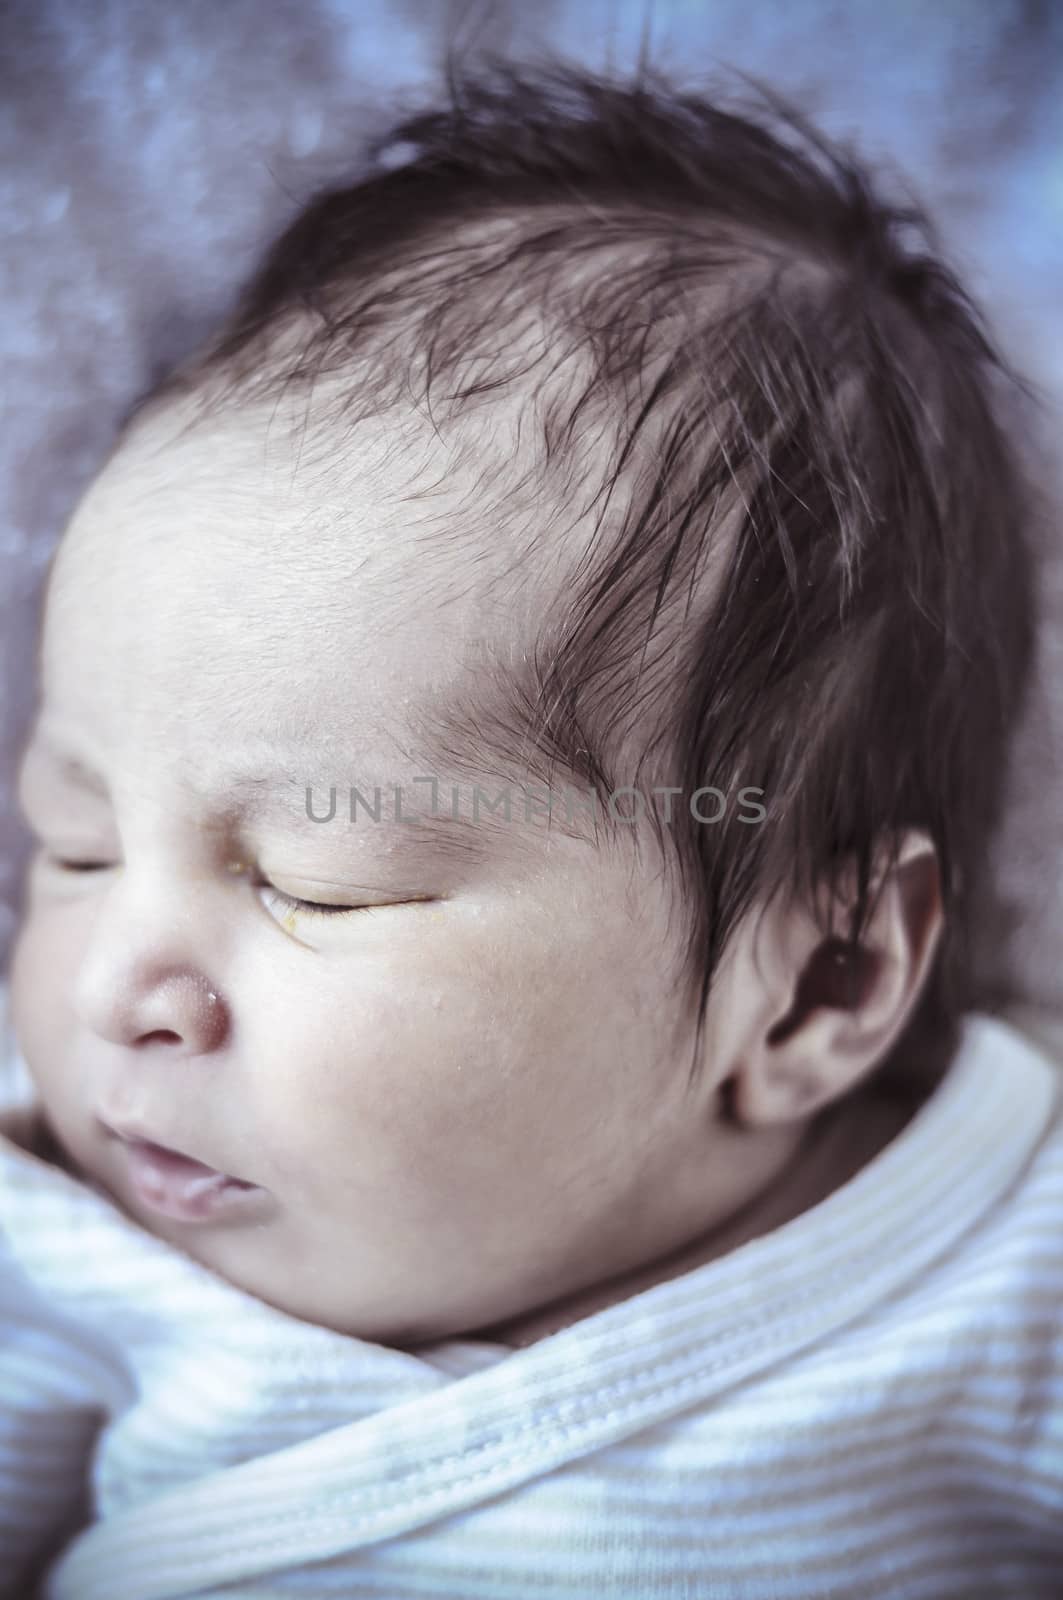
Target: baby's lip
134,1133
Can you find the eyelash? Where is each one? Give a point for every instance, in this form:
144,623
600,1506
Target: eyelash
289,902
77,866
311,908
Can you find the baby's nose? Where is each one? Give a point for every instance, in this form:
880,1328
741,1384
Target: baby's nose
174,1009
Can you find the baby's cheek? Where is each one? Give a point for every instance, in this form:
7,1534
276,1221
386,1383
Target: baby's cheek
44,961
447,1053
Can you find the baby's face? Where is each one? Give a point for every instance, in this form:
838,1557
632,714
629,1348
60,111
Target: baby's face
461,1100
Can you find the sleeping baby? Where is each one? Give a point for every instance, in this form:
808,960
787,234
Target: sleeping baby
497,1102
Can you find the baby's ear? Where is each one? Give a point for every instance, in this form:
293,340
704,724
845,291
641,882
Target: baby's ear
829,1012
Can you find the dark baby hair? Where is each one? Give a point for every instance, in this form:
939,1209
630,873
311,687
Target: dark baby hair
791,387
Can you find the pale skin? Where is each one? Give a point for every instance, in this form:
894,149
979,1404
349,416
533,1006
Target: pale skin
467,1106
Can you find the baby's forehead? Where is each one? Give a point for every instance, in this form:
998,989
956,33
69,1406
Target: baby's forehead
389,556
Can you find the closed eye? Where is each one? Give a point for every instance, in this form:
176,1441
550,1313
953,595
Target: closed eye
66,865
318,908
313,908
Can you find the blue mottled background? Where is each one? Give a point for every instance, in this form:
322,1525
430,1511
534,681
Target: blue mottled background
147,149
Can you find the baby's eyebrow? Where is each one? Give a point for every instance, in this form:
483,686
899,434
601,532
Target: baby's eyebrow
405,818
462,820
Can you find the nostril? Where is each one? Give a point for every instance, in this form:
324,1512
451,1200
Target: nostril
161,1036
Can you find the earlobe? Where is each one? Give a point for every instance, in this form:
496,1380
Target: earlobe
828,1027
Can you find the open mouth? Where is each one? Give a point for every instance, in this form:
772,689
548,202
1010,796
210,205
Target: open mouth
176,1186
